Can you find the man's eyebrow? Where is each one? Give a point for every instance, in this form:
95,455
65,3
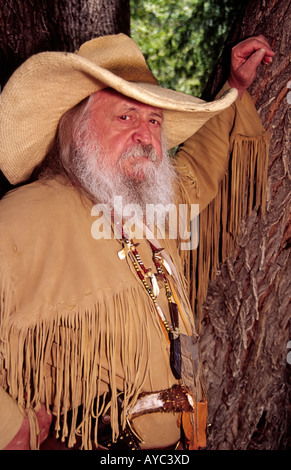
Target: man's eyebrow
127,109
159,114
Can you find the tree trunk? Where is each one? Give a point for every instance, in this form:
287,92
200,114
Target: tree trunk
246,325
30,26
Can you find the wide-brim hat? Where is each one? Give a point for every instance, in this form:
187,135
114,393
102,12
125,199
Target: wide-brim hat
44,87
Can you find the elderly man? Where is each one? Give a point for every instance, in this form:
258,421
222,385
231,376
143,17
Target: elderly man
98,341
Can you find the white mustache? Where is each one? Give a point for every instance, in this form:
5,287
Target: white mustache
140,150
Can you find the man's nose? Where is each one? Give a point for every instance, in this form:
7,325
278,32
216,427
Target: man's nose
142,134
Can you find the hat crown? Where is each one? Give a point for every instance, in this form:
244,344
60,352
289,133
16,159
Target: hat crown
120,55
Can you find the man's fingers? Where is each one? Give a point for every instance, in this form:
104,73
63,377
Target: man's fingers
268,59
247,48
245,58
247,71
255,59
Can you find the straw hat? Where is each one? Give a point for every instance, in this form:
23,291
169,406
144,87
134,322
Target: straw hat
44,87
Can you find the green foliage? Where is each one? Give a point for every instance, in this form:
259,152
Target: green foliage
182,40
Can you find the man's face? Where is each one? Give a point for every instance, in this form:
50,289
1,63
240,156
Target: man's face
118,150
121,124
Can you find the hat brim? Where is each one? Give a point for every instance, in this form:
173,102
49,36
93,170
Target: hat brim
50,83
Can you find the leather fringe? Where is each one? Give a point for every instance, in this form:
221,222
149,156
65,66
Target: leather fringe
76,377
242,190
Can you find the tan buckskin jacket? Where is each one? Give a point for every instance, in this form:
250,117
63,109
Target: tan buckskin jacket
75,319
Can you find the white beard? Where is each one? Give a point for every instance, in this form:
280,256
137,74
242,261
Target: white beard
154,187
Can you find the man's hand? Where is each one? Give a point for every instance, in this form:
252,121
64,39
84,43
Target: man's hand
21,440
245,58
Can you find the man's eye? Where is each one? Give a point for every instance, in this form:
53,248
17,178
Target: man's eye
124,117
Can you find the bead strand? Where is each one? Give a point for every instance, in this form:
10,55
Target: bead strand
149,290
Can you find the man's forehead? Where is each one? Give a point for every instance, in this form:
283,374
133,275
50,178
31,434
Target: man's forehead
124,102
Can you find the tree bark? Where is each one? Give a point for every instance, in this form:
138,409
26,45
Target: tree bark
29,26
246,326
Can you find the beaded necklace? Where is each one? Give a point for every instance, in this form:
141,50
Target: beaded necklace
145,274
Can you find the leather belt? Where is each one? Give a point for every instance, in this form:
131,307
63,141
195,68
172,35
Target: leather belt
175,399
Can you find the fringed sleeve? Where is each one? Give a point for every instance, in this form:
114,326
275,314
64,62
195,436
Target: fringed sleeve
12,411
223,168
